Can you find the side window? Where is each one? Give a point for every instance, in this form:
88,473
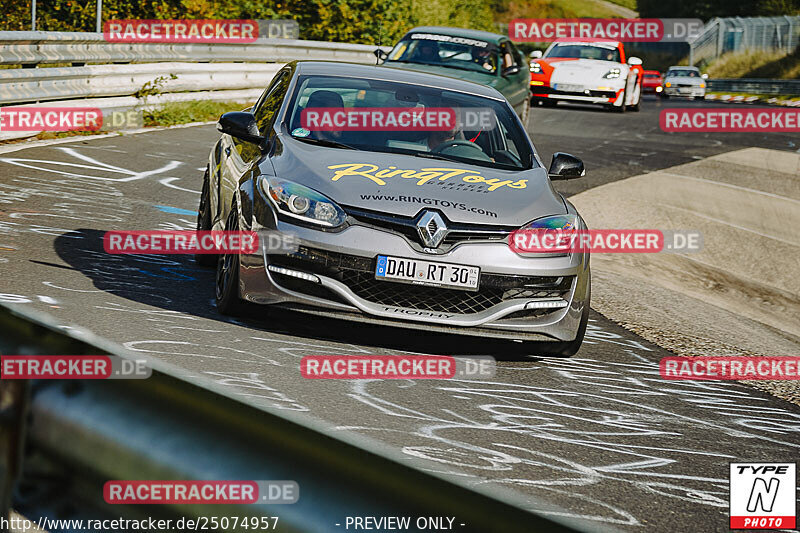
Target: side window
509,57
519,56
270,102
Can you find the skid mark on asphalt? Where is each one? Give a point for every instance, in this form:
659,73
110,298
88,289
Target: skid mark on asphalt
600,433
593,427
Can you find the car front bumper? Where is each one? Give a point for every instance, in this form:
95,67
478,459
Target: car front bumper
531,298
685,91
606,95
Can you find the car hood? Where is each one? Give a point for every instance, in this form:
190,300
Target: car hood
685,80
484,78
353,178
576,70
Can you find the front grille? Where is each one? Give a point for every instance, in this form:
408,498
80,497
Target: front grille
592,92
406,226
357,273
419,297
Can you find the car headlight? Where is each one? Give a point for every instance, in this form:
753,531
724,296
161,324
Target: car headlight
298,201
556,222
557,231
702,85
613,73
536,68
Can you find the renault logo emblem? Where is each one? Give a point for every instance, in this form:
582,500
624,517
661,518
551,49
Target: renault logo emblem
431,228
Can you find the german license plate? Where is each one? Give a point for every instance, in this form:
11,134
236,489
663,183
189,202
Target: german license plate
569,88
427,273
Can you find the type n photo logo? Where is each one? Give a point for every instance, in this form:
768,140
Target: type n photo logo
763,495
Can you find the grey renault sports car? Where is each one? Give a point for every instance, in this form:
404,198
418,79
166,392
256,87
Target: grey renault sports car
396,221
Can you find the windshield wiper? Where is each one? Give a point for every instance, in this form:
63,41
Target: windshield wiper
430,155
325,142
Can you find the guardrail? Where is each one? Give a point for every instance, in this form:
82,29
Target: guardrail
235,66
48,84
755,86
172,426
42,48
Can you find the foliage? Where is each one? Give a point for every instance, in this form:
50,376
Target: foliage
172,113
152,88
708,9
756,64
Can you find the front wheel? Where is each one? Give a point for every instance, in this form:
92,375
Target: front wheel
637,96
526,113
227,278
204,223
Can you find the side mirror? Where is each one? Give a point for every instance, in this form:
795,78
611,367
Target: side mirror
704,76
241,125
380,54
510,71
536,54
633,60
565,167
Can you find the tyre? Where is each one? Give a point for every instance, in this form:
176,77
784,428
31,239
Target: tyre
526,113
699,97
637,94
204,223
665,96
226,284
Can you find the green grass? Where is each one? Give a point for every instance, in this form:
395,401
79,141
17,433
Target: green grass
756,64
168,114
174,113
630,4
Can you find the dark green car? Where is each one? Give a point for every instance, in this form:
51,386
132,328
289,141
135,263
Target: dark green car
478,56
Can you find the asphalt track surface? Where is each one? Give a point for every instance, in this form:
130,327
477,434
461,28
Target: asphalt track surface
599,434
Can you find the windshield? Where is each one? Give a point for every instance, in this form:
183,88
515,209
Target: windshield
683,73
585,51
387,116
446,51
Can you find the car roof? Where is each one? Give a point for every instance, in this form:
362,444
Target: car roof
357,70
590,43
652,72
684,67
490,37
